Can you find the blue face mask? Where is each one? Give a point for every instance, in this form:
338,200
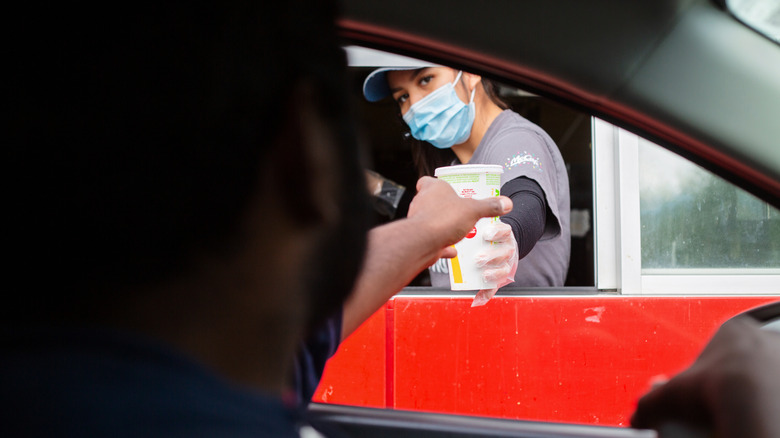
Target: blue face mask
441,118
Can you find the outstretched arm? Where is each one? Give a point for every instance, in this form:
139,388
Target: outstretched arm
514,237
400,250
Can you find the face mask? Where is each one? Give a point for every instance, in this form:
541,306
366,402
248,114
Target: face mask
441,118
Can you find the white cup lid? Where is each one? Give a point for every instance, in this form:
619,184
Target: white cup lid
469,168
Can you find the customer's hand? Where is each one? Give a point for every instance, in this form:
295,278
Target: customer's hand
447,217
732,390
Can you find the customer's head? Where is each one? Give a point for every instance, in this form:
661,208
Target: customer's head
151,144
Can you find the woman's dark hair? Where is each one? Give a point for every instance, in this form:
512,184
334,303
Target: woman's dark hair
426,157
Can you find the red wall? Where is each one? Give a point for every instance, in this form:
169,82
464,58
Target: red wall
565,359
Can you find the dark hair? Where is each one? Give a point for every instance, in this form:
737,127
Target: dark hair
137,134
427,158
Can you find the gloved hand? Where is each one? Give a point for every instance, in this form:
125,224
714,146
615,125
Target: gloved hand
498,262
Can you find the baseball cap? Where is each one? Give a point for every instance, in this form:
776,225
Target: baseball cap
375,86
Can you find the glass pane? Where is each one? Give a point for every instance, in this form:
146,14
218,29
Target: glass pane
761,15
692,219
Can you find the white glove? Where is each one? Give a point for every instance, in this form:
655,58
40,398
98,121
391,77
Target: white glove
498,261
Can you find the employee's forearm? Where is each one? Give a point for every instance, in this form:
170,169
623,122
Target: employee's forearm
528,215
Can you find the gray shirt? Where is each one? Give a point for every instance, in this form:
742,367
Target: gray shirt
524,149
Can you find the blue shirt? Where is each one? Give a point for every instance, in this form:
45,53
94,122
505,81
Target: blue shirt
89,383
312,356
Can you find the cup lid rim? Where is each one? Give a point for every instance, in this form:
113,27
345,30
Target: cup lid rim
469,168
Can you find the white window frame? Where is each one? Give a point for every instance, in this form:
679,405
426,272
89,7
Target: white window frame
617,232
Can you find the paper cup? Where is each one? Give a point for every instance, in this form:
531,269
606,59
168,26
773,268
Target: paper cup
477,181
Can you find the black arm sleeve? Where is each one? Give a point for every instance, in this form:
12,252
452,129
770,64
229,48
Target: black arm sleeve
529,212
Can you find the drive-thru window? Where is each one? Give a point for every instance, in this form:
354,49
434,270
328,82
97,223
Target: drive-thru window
663,251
